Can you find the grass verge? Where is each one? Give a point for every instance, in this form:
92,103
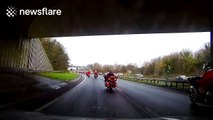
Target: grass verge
64,76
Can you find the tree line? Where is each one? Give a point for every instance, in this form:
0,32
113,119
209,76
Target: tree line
117,68
56,53
184,62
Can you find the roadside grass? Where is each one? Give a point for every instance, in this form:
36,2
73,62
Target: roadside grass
64,76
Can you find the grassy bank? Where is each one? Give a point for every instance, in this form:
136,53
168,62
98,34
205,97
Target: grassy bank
65,76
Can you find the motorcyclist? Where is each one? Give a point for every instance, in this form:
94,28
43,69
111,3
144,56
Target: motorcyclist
206,80
109,74
96,72
88,73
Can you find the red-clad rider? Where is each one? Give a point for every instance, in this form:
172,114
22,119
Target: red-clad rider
205,81
96,72
109,75
88,73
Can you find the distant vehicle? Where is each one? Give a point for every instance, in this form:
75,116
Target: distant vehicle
181,78
139,75
120,74
105,74
116,74
100,73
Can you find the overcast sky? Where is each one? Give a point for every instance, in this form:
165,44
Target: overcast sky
125,49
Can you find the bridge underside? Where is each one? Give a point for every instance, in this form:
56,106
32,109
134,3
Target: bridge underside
101,17
104,17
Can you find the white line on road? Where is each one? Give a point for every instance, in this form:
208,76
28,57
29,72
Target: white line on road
56,99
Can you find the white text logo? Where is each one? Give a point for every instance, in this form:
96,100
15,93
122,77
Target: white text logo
12,12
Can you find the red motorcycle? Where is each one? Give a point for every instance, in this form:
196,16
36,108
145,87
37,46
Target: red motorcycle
111,82
88,74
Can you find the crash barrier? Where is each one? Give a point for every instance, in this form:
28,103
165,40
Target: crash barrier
159,82
24,55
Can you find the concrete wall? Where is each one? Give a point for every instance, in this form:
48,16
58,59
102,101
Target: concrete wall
23,54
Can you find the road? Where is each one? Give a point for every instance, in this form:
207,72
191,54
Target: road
128,100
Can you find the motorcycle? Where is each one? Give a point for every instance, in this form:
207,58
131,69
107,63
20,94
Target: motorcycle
88,75
95,76
195,96
111,82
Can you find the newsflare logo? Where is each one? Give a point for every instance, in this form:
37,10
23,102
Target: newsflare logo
12,11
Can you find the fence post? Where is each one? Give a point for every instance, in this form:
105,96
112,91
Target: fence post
183,85
176,84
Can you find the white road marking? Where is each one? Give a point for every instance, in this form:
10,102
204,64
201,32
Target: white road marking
56,99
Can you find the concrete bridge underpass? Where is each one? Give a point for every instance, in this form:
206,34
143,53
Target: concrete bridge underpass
20,49
24,55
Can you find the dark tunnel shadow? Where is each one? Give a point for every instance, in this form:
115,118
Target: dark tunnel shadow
200,110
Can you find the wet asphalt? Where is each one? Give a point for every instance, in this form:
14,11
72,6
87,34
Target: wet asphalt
129,100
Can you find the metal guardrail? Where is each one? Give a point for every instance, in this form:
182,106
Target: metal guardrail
161,82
